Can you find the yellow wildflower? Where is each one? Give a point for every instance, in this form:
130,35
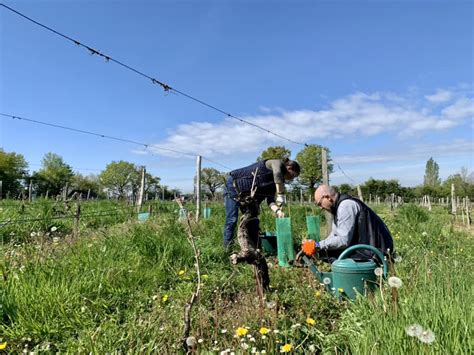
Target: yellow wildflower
3,346
310,321
264,330
181,272
241,331
164,298
317,294
286,348
340,290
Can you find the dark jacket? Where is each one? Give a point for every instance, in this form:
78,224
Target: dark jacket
370,229
243,178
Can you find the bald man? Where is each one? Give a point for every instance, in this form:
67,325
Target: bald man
354,223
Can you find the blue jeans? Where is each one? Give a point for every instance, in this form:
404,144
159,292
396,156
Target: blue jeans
231,212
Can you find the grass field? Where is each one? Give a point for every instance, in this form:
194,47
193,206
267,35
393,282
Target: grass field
121,287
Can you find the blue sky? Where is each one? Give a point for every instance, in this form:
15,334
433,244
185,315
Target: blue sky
385,85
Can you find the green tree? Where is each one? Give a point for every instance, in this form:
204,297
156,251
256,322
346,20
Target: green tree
309,159
277,152
13,169
120,178
346,189
84,184
211,179
53,175
431,174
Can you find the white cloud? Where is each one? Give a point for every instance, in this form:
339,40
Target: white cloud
440,96
409,153
356,115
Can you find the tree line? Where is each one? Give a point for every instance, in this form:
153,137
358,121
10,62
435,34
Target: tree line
121,179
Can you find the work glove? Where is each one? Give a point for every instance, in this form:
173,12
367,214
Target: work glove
280,200
277,210
309,247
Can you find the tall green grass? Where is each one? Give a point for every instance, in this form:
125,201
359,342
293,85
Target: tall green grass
122,289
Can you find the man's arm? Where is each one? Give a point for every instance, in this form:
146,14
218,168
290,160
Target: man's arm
342,234
278,168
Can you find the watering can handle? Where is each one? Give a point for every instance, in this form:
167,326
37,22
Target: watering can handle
377,252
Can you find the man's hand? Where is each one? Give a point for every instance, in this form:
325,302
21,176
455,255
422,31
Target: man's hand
277,210
309,247
280,200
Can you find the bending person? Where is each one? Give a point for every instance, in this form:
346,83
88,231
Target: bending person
269,181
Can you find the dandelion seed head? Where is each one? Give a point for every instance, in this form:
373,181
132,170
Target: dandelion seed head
327,281
378,271
426,336
414,330
395,282
191,341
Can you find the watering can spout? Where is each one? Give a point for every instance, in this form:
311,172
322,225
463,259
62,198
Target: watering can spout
313,268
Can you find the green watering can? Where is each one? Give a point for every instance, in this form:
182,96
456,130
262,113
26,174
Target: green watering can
349,277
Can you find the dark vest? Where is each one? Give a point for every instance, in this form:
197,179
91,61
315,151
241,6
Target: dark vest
264,181
370,229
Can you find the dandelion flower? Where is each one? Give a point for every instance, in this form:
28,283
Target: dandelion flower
317,294
414,330
264,330
426,336
164,298
340,290
181,272
395,282
286,348
310,321
3,346
241,331
378,271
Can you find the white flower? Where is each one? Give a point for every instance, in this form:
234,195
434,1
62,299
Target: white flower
245,346
312,348
252,339
271,304
327,281
33,234
264,337
414,330
191,342
276,331
426,336
56,240
223,331
395,282
54,229
378,271
200,341
293,326
424,234
263,351
254,350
